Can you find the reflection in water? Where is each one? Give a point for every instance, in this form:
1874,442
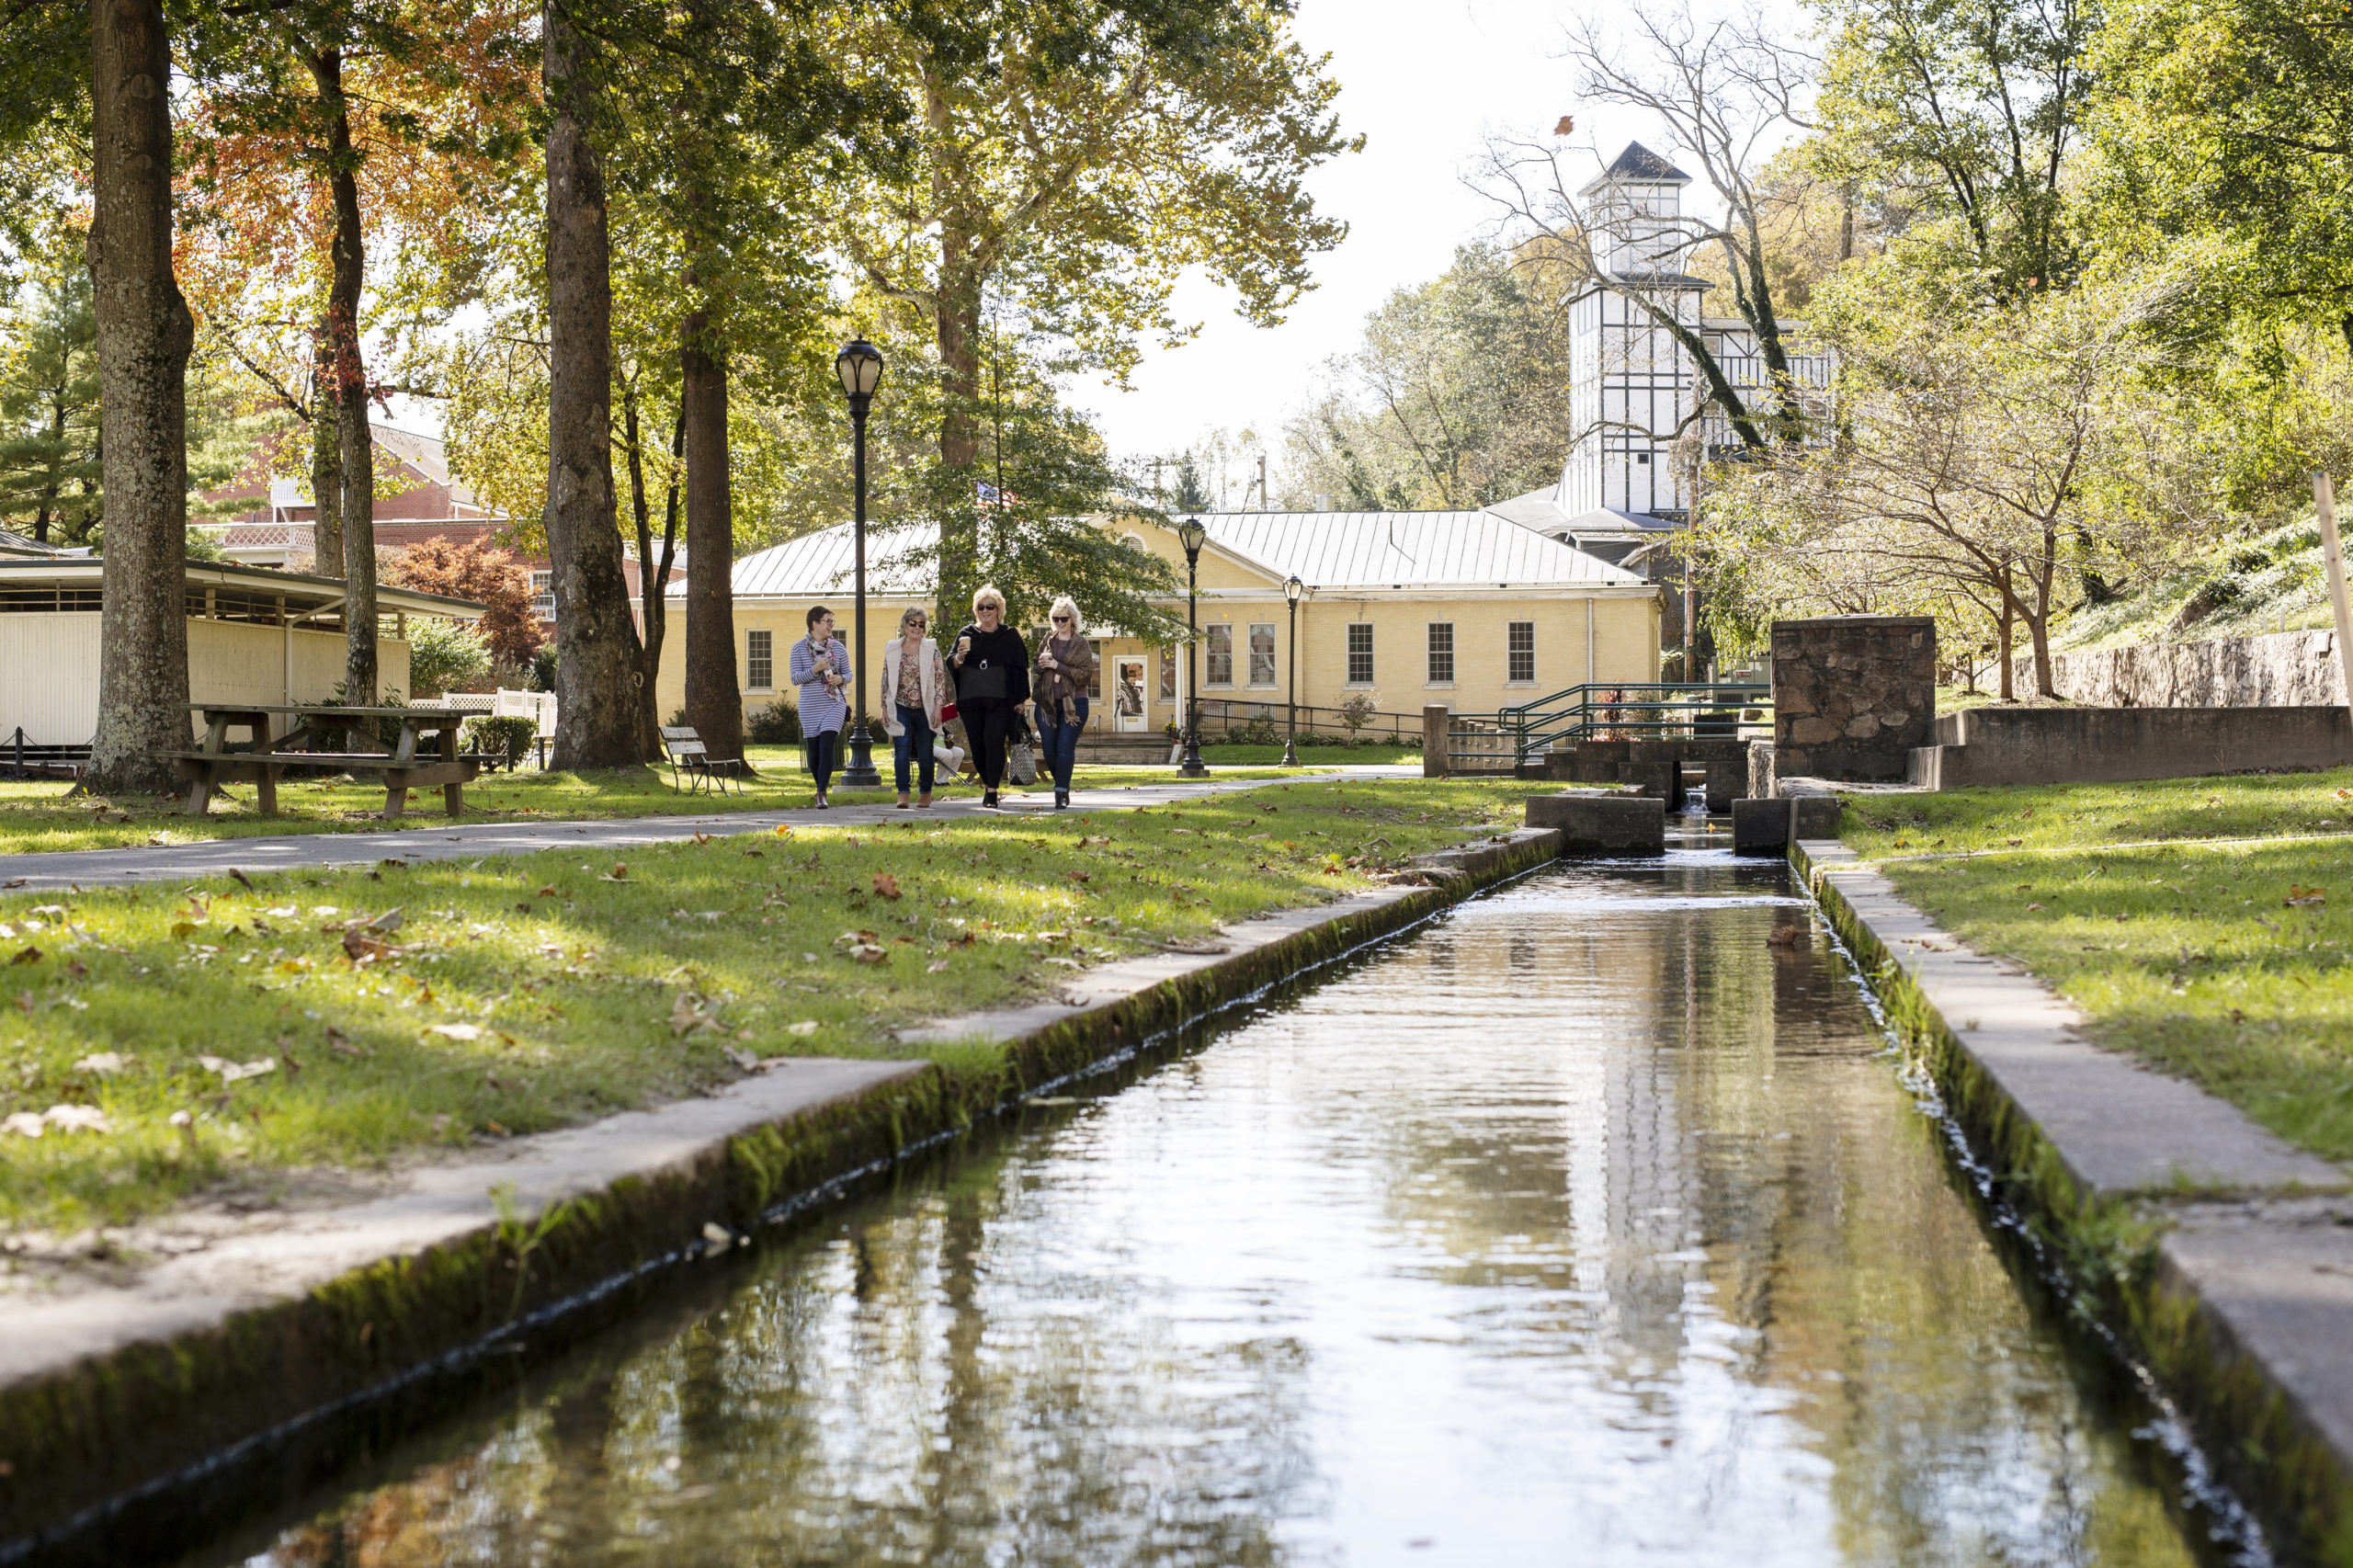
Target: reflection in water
1584,1226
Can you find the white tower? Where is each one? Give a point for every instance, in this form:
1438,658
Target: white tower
1631,384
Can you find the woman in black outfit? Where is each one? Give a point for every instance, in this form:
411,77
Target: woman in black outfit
991,664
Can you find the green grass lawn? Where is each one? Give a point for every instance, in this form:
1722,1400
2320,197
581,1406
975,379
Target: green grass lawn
2086,815
35,815
2226,963
226,1032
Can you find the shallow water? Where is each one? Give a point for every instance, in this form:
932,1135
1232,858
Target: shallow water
1581,1226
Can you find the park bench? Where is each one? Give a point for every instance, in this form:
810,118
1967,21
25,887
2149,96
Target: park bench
691,761
212,764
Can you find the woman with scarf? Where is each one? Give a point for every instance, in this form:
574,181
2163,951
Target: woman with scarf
1065,669
992,669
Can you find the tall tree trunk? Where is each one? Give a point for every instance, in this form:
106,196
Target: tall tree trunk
653,576
597,646
714,694
2006,635
326,471
144,334
959,433
354,444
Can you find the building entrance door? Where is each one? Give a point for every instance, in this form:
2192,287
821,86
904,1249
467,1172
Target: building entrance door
1127,699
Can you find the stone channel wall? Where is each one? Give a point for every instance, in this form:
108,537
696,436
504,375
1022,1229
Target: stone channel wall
1852,695
2279,669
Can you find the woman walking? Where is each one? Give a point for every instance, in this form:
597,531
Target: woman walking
991,665
915,689
1065,669
821,669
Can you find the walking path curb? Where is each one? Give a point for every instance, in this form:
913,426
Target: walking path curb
2227,1254
134,1420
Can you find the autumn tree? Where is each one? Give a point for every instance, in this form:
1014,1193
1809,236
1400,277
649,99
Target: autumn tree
1726,95
50,484
1076,157
481,571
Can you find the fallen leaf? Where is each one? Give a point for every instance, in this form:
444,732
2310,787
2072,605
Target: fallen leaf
360,948
935,966
232,1072
27,955
2034,906
702,838
805,1027
242,879
2303,897
457,1031
688,1013
388,922
886,884
867,953
749,1062
784,830
102,1062
1076,876
620,873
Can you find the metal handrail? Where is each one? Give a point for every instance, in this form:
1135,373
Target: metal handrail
1620,708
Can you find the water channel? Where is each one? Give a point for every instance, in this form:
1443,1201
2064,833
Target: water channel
1583,1225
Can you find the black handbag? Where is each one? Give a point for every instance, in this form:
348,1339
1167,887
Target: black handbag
981,685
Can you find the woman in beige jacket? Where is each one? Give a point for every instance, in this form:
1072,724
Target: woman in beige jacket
915,689
1065,669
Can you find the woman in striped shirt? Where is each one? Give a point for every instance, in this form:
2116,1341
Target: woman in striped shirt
821,669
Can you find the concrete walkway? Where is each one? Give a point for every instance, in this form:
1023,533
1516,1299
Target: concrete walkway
462,840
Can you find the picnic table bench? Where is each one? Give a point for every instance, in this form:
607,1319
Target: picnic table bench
211,766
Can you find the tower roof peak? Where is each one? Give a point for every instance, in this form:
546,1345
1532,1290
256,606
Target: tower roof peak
1638,165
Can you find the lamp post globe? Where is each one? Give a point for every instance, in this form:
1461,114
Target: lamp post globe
1291,591
860,366
1192,536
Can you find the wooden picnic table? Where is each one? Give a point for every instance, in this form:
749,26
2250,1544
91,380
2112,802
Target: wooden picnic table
211,766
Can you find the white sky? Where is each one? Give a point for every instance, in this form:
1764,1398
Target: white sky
1424,80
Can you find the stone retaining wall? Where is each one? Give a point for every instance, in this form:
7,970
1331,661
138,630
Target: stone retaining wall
2281,669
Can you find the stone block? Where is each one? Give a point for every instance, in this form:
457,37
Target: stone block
1760,770
2098,745
1727,782
1602,822
1813,817
1760,827
1660,780
1852,695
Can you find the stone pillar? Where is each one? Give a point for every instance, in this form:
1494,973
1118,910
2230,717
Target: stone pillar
1852,695
1436,723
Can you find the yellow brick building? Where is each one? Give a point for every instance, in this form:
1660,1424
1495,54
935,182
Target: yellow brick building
1466,609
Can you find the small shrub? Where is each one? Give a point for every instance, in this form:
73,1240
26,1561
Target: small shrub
509,736
443,653
777,724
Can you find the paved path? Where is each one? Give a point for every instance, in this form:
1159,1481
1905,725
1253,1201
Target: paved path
460,840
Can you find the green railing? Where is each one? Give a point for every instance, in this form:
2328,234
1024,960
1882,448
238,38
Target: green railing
1496,743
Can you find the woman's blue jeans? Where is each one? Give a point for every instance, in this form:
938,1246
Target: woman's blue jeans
915,736
1059,742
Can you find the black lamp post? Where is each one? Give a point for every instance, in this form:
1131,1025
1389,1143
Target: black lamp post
1192,536
859,365
1291,591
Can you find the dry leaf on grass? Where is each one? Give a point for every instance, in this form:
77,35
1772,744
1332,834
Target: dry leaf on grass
702,838
103,1062
935,966
2303,897
232,1072
28,955
886,884
745,1060
458,1031
690,1013
804,1027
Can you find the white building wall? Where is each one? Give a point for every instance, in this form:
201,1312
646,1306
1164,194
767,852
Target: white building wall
49,670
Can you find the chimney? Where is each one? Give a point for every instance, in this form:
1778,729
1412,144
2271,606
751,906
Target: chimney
1322,502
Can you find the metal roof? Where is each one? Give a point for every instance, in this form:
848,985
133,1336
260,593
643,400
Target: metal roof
1408,549
818,565
1327,550
299,588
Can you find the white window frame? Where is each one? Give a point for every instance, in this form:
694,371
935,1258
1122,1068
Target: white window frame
1433,652
1273,666
759,647
1513,631
1209,655
1353,653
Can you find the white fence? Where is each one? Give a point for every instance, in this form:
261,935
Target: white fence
537,706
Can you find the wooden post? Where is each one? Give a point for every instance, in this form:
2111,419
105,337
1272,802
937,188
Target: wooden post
2333,553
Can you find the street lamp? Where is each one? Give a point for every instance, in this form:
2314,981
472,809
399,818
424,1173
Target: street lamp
1291,590
859,365
1192,536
